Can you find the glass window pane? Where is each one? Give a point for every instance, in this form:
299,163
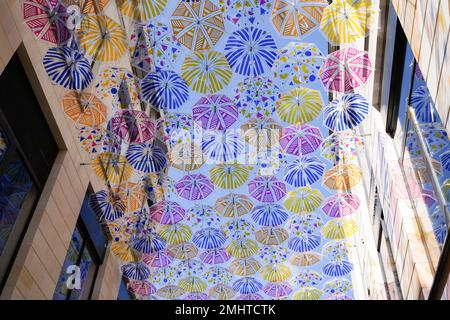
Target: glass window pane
87,274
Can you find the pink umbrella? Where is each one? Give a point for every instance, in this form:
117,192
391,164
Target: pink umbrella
277,290
133,126
341,205
215,112
159,259
194,187
141,288
429,197
250,296
167,212
267,189
345,70
197,296
300,139
214,256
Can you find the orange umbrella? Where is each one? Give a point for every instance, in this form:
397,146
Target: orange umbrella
233,205
342,177
132,194
84,109
112,167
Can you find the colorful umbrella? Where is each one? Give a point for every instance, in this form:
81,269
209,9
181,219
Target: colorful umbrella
445,160
183,251
170,292
271,236
186,156
68,68
229,176
256,95
192,284
88,6
345,21
222,146
146,157
338,296
203,215
307,278
214,256
304,171
197,296
305,259
222,292
299,106
299,139
233,205
141,288
242,12
250,51
206,71
438,221
277,290
132,195
341,205
149,243
342,177
107,205
273,255
337,268
247,285
242,248
297,18
342,146
336,250
215,112
238,228
164,89
219,275
163,276
95,140
298,225
417,167
158,259
250,297
47,19
101,38
177,128
423,105
269,215
175,234
124,251
84,108
245,266
132,126
111,167
346,112
338,286
209,238
308,293
345,70
198,25
275,273
261,132
429,197
446,189
142,10
306,242
266,189
268,162
190,268
167,212
194,187
340,228
303,200
135,271
435,136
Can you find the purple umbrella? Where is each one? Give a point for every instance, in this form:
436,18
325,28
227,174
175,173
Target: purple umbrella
300,139
250,296
167,212
266,189
197,296
341,205
194,187
214,256
159,259
277,290
215,112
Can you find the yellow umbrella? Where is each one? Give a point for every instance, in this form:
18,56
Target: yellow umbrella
300,105
233,205
341,228
192,284
141,10
222,292
303,200
271,236
186,156
275,273
242,248
262,133
132,194
345,21
305,259
342,177
183,251
124,251
88,6
111,167
308,293
245,266
170,292
84,109
229,176
102,38
176,233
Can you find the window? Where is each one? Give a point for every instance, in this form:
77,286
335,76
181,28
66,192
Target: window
124,294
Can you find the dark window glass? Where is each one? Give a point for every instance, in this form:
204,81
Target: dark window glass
124,294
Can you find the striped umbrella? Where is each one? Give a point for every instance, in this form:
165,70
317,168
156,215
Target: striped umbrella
68,68
307,242
261,132
341,228
341,205
229,176
214,256
141,10
209,238
308,293
299,139
299,106
88,6
167,212
222,146
303,200
342,177
132,195
215,112
141,288
158,259
186,156
197,296
445,160
182,251
305,259
250,51
266,189
146,158
149,243
304,171
107,205
124,251
135,271
245,266
111,167
337,268
271,236
192,284
164,90
233,205
170,292
342,146
132,126
250,297
269,215
346,112
176,234
247,285
222,292
277,290
194,187
423,105
84,109
242,248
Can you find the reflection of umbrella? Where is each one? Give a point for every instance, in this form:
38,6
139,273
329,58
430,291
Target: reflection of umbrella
261,132
305,259
346,112
141,10
68,68
133,126
183,251
307,278
277,290
158,259
192,284
308,293
229,176
209,238
247,285
337,268
266,189
135,271
307,242
84,108
275,273
445,160
429,197
186,156
245,267
299,139
435,136
111,167
215,112
233,205
107,205
198,25
175,234
342,146
342,177
345,21
438,221
446,189
242,12
222,292
141,288
164,90
339,228
417,167
303,200
271,236
300,105
206,71
214,256
146,158
297,18
269,215
250,51
242,248
341,205
304,171
167,212
222,146
170,292
423,105
345,70
194,187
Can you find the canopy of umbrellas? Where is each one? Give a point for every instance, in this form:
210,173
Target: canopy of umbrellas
231,80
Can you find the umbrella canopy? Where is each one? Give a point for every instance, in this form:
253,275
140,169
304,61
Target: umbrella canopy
149,243
68,68
338,286
342,146
435,136
146,158
337,268
215,112
299,106
346,70
135,271
266,189
445,160
250,51
176,127
132,126
101,38
88,6
238,228
297,18
84,108
175,234
423,105
247,285
250,297
345,21
339,228
305,259
303,200
124,251
346,112
214,256
158,259
229,176
192,284
209,238
271,236
111,167
183,251
219,275
273,255
164,89
336,250
307,278
167,212
308,293
261,132
299,139
198,25
206,71
342,177
141,10
242,248
141,288
233,205
277,290
95,140
341,205
243,12
222,146
245,266
201,215
222,292
132,195
194,187
304,171
298,225
307,242
269,215
186,156
170,292
47,19
417,168
197,296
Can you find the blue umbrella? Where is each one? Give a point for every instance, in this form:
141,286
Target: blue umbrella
337,268
107,205
68,68
164,90
209,238
304,171
445,160
146,158
247,285
222,146
423,105
308,242
250,51
150,243
135,271
269,215
346,112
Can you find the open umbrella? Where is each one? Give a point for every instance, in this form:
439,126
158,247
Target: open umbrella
271,236
297,18
111,167
247,285
135,271
340,228
183,251
341,205
277,290
250,297
336,250
209,238
124,251
229,176
337,268
192,284
445,160
88,6
423,105
435,136
197,296
215,112
242,248
305,259
141,10
299,106
299,139
222,292
141,288
233,205
194,187
342,146
266,189
146,158
186,156
170,292
158,259
107,205
84,108
338,286
132,126
273,255
342,177
202,215
269,215
191,268
304,171
307,278
345,70
95,140
238,228
206,71
214,256
308,293
167,212
346,112
261,132
222,146
164,89
176,234
243,12
345,21
132,195
303,200
198,25
298,225
306,242
250,51
245,266
176,127
68,68
218,275
149,243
